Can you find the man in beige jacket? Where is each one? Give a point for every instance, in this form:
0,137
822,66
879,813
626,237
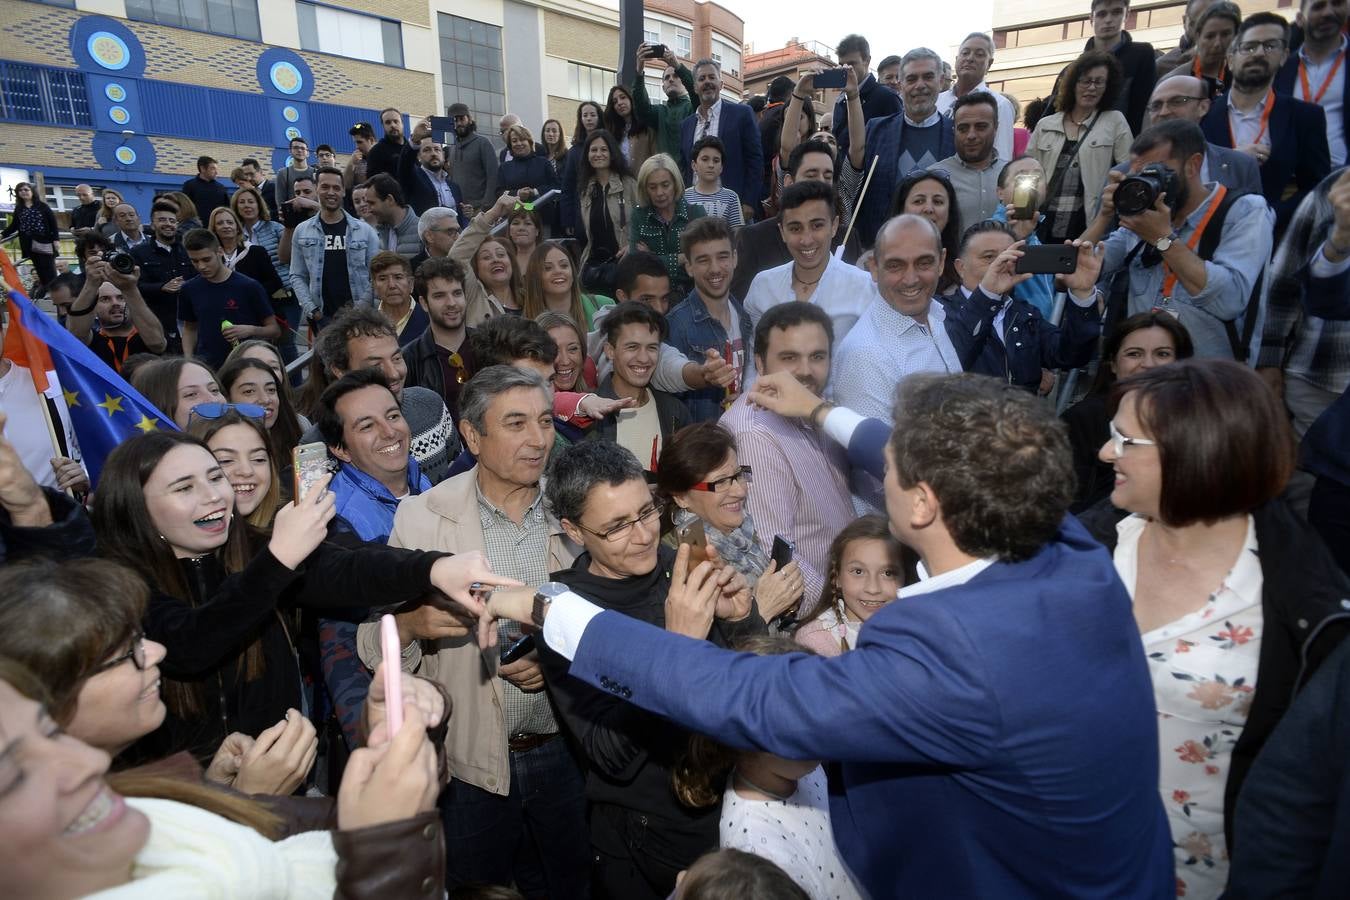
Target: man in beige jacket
514,811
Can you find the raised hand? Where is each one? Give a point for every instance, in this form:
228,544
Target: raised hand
782,393
1083,280
777,591
20,494
417,691
392,780
300,527
1002,275
692,600
276,762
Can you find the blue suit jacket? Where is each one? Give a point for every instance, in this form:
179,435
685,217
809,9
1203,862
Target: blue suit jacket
1298,150
993,739
743,163
885,137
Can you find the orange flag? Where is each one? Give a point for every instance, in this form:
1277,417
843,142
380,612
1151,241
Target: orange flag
22,347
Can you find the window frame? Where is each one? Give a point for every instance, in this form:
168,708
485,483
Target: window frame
134,14
306,14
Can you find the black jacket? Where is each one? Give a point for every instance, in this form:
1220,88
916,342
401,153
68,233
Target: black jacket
1088,431
206,639
206,195
70,536
158,267
1304,599
385,157
671,415
420,193
424,368
629,753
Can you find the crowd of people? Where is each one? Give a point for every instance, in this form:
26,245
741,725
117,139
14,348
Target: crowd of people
726,471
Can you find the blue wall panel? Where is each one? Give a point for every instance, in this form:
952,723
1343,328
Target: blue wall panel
331,123
183,110
240,118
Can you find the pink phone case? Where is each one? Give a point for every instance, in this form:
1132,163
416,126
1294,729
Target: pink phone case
393,683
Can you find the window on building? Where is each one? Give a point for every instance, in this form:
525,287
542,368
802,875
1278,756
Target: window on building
39,94
471,68
590,82
728,55
350,34
233,18
67,4
651,32
684,43
61,197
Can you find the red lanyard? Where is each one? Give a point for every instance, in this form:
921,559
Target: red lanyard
1195,70
1170,280
1265,120
1326,82
112,348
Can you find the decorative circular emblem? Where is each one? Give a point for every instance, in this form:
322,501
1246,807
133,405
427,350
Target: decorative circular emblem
286,77
291,113
115,92
125,155
119,115
109,50
292,133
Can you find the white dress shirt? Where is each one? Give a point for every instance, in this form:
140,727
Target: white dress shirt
705,126
884,348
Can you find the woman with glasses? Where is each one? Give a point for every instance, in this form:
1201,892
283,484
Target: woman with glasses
930,193
175,385
251,381
1078,145
1236,598
641,834
699,474
221,591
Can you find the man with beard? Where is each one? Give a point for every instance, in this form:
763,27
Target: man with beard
973,60
125,323
473,161
801,476
677,82
296,167
1208,288
386,155
975,166
734,124
441,359
330,256
915,138
426,181
1318,73
1286,137
164,267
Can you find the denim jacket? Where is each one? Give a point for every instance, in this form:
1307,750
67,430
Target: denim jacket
693,330
307,262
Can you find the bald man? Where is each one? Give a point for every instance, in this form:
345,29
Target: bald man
83,217
1187,97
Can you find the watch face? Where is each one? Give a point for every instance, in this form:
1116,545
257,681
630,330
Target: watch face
551,589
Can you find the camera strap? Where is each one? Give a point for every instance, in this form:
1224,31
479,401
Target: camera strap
1053,189
1170,279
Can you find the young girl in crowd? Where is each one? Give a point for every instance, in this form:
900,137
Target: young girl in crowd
772,807
636,140
175,384
491,277
166,509
551,282
865,572
240,443
253,381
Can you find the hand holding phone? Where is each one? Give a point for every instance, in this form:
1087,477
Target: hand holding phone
835,79
309,463
783,551
393,674
694,535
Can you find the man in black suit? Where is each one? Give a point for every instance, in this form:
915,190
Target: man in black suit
1286,137
760,246
1317,72
426,182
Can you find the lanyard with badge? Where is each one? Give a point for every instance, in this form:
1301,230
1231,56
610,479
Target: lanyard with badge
1170,278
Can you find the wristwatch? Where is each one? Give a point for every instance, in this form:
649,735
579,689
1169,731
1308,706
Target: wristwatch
543,597
1162,243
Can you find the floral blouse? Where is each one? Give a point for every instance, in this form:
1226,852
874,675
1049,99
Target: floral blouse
1203,667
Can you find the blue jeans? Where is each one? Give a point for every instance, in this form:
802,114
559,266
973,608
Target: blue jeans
535,837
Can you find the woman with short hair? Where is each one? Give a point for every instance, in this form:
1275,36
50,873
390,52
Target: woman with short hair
661,215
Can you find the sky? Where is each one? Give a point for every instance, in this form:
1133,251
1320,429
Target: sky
890,26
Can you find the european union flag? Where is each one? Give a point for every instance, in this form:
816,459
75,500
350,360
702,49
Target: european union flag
104,409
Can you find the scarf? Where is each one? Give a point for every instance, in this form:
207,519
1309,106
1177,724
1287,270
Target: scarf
738,548
198,854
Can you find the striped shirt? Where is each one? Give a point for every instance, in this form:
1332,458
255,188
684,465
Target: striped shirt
722,204
882,349
519,552
800,489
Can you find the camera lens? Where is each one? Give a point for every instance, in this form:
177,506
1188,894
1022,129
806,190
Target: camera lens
1134,196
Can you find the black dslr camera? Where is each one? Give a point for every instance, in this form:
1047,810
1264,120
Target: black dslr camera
121,261
1141,190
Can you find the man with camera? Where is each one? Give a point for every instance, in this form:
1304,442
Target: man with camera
111,299
1187,247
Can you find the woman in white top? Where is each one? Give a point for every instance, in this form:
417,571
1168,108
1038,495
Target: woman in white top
1230,590
772,807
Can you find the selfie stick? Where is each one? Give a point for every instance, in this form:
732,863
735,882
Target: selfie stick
839,251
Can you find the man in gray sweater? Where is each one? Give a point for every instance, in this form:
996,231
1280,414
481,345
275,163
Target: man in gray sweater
473,161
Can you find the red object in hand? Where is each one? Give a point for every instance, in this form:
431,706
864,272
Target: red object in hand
736,377
655,443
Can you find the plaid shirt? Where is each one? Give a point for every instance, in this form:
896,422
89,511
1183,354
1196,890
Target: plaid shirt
519,552
1316,350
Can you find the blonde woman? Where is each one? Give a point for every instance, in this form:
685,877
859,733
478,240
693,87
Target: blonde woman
661,216
492,285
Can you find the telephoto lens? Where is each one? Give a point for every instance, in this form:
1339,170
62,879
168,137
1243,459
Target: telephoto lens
120,260
1141,190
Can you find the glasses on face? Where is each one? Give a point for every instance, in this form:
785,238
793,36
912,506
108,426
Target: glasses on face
743,475
136,654
1156,106
1119,441
1092,82
1250,48
217,410
623,530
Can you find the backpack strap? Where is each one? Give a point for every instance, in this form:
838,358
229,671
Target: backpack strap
1239,343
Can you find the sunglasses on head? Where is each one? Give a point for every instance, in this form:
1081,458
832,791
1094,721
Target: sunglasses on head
218,410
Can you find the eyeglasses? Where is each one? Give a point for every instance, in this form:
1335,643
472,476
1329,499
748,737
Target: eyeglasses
624,529
1119,441
743,475
1092,82
1156,106
218,410
1250,48
136,654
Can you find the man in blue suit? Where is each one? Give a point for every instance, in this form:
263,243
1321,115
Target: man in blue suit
1317,73
994,733
1287,137
734,123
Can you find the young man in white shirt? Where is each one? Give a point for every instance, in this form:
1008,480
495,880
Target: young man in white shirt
633,334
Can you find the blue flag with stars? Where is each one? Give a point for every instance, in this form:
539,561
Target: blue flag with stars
104,409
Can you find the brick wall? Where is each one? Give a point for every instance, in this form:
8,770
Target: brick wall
580,41
43,145
565,111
